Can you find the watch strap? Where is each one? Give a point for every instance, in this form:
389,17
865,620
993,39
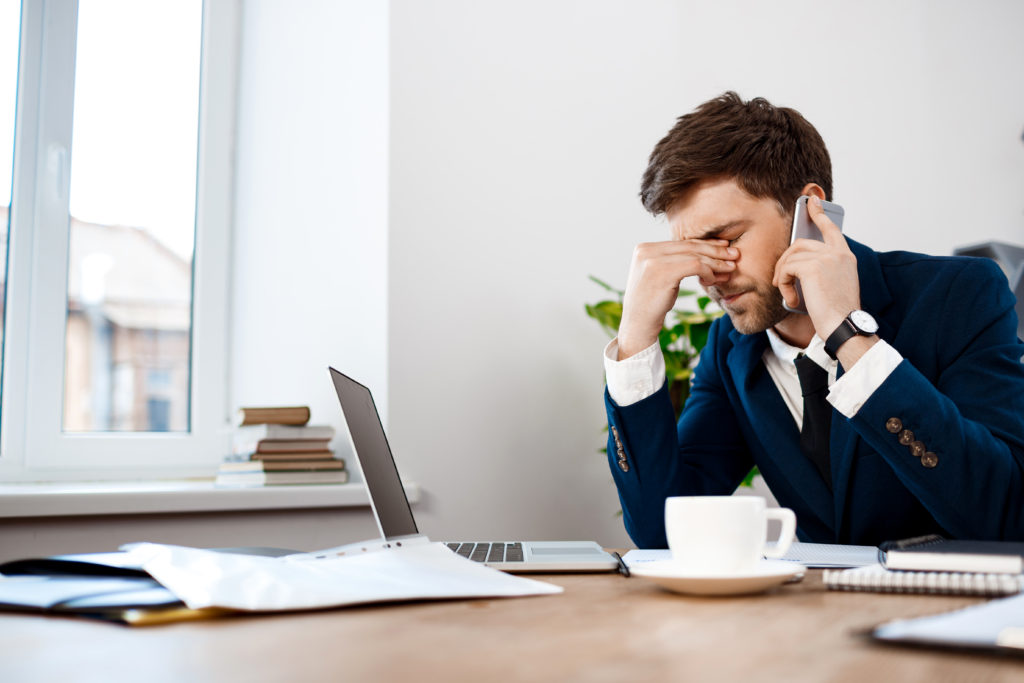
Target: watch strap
840,336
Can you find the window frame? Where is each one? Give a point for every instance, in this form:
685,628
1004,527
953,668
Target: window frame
33,446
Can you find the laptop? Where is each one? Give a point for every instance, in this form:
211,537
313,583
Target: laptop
394,514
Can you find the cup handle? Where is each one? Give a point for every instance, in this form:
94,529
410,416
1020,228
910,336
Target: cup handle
788,533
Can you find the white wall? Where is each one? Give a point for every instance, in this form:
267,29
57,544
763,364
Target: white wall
518,133
310,271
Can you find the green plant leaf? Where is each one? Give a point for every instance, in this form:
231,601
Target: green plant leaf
692,317
748,481
606,286
666,338
607,313
682,374
610,308
699,335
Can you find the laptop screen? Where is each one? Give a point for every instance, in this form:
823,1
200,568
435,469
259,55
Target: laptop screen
387,497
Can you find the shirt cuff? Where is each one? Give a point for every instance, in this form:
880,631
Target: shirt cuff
634,379
855,387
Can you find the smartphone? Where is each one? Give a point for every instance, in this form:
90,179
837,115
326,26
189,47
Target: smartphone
804,228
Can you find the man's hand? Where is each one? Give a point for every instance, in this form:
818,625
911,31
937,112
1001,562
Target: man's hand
827,272
653,284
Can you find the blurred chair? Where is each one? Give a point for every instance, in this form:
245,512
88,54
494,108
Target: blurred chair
1010,258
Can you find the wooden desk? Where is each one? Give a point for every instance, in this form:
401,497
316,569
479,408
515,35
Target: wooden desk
603,628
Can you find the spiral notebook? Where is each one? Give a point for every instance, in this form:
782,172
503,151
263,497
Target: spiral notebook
876,578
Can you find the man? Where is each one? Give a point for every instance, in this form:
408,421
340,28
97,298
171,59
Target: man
923,429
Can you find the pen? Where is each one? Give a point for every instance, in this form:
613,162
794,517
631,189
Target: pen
623,569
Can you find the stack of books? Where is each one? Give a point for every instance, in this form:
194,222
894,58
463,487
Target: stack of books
276,446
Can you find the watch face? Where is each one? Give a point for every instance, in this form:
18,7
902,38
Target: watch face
864,322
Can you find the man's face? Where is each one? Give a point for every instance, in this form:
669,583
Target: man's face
758,228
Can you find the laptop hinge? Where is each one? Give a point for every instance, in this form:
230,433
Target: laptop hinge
369,546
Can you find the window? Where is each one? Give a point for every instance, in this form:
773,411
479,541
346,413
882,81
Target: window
132,206
10,20
122,117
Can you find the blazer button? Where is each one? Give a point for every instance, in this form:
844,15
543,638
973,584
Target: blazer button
906,437
619,451
917,449
894,425
929,460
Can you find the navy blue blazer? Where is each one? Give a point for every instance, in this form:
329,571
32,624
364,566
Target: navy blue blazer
959,389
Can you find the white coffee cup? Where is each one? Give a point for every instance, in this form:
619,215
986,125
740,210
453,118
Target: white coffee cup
714,535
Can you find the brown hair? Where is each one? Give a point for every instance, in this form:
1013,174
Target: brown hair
770,151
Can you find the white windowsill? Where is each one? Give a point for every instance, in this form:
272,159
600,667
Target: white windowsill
152,497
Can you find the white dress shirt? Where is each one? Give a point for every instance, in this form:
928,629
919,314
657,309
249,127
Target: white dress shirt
640,376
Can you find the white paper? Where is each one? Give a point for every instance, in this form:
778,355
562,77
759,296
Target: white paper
642,556
813,555
829,555
987,624
424,570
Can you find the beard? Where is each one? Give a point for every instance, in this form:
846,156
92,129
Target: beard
759,308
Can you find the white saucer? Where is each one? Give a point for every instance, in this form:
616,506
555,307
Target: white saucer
671,576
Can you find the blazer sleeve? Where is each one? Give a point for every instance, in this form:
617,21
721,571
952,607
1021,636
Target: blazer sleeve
957,401
651,457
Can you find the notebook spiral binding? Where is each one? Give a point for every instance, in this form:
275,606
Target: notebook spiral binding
878,579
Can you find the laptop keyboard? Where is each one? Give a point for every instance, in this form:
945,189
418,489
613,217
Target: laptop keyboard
489,552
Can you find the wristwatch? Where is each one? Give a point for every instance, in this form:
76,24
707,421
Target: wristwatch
858,322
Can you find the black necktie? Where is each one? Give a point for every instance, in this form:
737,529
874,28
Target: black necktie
814,433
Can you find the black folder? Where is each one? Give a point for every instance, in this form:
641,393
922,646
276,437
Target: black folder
97,585
107,586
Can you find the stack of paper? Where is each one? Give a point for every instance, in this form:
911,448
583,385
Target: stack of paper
416,570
